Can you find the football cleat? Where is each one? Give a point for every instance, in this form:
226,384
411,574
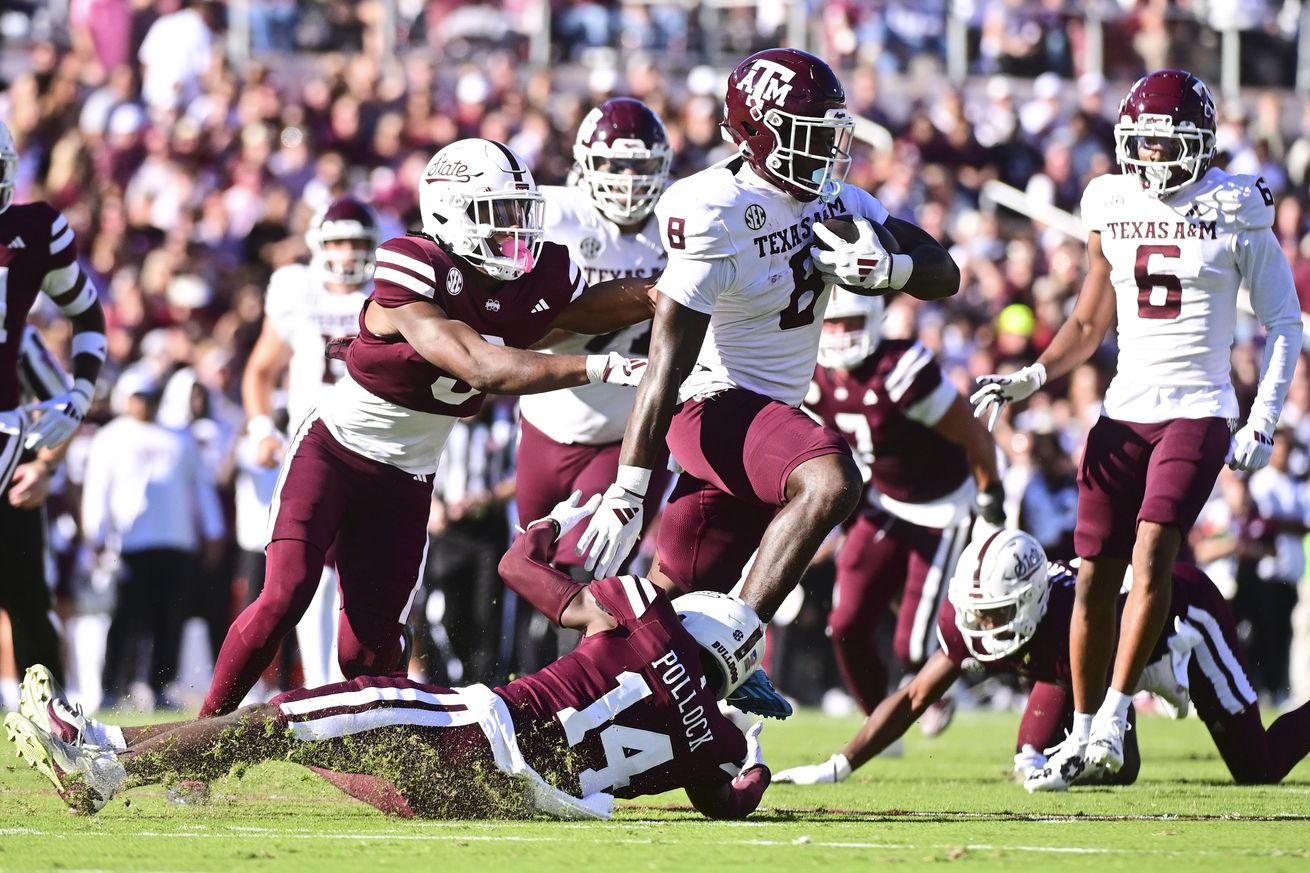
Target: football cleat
1105,747
937,717
85,777
42,701
1065,765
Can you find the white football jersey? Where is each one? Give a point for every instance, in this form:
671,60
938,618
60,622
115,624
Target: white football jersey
1176,264
306,315
593,414
739,251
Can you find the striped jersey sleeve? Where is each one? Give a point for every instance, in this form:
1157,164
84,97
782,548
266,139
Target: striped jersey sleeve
64,282
405,273
914,383
627,598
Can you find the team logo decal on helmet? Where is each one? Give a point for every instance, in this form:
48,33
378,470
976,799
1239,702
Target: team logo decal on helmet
1173,112
786,112
479,199
729,633
623,155
350,221
999,593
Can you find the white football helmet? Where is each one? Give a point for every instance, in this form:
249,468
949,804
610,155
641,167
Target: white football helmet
479,199
846,347
344,219
729,633
999,592
8,167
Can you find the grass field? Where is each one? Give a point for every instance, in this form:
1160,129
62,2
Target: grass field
947,801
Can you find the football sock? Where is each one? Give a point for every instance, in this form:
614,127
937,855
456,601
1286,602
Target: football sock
1082,726
1115,705
1288,742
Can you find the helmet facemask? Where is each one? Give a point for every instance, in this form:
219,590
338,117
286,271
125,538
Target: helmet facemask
1189,152
351,264
625,182
852,329
810,154
498,232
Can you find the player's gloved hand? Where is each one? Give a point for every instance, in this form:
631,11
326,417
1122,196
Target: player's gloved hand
616,525
835,769
1026,760
864,263
990,504
758,696
754,754
60,416
998,390
614,369
1250,449
567,513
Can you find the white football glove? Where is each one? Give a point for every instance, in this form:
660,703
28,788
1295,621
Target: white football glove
835,769
60,416
616,525
614,369
1250,449
754,754
998,390
567,513
864,263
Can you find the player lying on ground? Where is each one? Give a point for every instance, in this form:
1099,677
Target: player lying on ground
1009,613
633,710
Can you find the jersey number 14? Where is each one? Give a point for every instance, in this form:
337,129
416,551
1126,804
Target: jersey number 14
649,748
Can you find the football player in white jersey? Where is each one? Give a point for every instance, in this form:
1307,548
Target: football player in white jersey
1170,241
737,326
570,438
307,305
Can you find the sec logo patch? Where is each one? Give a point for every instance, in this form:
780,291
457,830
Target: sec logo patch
590,247
454,281
755,216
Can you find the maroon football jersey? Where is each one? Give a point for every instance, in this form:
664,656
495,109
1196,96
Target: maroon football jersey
1046,657
34,239
629,711
873,406
516,314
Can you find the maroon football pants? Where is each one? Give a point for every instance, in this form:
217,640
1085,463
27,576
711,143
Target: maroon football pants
377,515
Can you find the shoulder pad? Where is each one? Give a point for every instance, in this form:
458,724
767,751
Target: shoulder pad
857,201
1097,199
691,216
1247,202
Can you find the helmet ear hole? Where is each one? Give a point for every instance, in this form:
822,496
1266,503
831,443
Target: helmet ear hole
713,673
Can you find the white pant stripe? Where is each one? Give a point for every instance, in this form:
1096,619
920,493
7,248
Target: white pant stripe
276,503
349,723
1216,645
923,636
365,696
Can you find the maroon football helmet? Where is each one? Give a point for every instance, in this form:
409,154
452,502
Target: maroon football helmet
350,220
624,156
786,112
1174,109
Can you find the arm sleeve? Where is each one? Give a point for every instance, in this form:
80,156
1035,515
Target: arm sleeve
280,301
42,374
741,798
65,284
527,571
1273,297
1093,217
696,284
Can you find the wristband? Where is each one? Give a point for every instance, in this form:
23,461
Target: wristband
261,426
85,387
902,267
90,342
633,479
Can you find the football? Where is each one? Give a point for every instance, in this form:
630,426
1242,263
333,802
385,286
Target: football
844,227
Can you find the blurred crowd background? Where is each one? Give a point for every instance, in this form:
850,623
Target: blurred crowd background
188,143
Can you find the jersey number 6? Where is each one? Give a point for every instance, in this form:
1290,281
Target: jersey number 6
1147,282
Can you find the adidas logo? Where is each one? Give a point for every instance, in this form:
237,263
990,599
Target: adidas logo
17,243
625,514
540,307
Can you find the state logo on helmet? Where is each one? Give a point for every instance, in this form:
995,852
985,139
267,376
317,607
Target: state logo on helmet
8,167
479,199
623,157
343,238
786,112
999,593
1172,109
729,633
852,329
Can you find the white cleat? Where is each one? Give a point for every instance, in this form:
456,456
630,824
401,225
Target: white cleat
85,777
1065,765
42,701
1105,746
937,717
835,769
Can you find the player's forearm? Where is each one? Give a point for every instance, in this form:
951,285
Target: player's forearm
609,306
89,343
512,371
886,724
676,337
935,274
1075,342
258,385
960,427
736,800
1282,350
527,571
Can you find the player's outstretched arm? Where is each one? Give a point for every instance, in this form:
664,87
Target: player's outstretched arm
960,427
493,369
740,797
935,274
1093,313
609,306
268,360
